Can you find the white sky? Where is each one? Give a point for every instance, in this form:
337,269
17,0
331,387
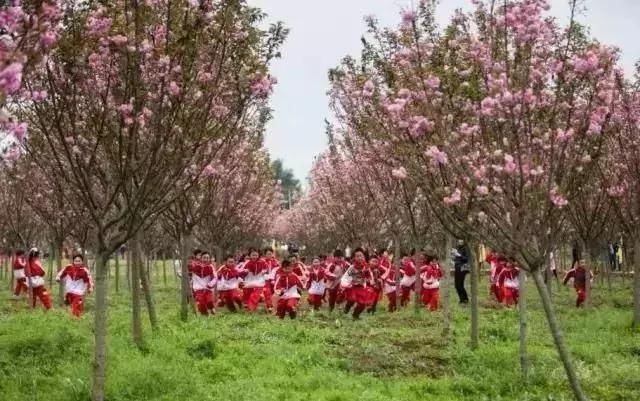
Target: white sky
324,31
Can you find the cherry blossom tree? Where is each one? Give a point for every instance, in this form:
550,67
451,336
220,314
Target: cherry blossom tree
139,94
502,117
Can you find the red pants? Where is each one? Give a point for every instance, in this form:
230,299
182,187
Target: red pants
287,306
268,296
42,293
582,295
336,296
230,298
204,301
430,298
21,286
495,290
392,298
251,297
405,295
315,301
510,295
76,302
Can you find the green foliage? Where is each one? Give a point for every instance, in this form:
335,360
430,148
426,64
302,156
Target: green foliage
47,356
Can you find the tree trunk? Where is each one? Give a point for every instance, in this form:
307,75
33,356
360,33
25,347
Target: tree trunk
117,271
164,270
563,352
58,253
446,290
636,281
50,272
136,321
100,356
418,284
522,309
474,265
148,297
396,263
186,241
128,261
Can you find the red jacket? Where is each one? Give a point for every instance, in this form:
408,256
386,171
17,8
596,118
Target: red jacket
19,262
431,275
254,267
579,276
316,275
508,275
408,268
287,285
77,279
226,272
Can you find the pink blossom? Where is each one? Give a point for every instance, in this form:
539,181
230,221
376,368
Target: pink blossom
616,191
564,136
119,40
399,173
482,190
11,78
454,198
557,199
437,156
432,82
48,38
408,17
421,126
174,89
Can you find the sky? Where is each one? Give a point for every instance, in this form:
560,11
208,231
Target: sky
324,31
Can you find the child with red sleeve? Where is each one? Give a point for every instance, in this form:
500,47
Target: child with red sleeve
19,266
390,288
35,278
407,282
430,274
270,277
227,285
203,279
580,275
77,282
497,266
377,271
253,274
357,281
509,283
316,284
287,287
334,273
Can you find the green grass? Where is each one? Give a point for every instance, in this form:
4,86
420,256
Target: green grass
47,356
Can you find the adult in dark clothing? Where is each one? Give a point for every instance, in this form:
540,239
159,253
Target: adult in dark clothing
461,256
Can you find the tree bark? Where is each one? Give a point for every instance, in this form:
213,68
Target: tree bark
186,241
474,265
136,321
558,340
522,315
418,284
636,281
100,355
50,272
128,261
59,267
446,289
117,271
148,297
164,270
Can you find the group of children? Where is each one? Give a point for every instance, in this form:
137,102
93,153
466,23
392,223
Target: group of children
359,284
29,276
505,279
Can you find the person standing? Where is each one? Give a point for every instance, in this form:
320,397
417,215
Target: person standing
461,256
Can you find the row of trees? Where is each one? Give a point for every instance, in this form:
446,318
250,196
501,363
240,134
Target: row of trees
502,128
145,121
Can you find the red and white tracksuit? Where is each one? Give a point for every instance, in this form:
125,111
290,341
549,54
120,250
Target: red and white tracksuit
228,284
509,284
579,275
497,265
35,277
19,266
287,287
316,286
203,280
77,281
430,293
253,274
390,288
408,280
270,278
333,274
357,283
377,285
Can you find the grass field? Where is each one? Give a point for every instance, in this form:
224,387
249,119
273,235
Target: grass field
47,356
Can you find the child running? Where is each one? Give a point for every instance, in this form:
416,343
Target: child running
77,282
287,287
